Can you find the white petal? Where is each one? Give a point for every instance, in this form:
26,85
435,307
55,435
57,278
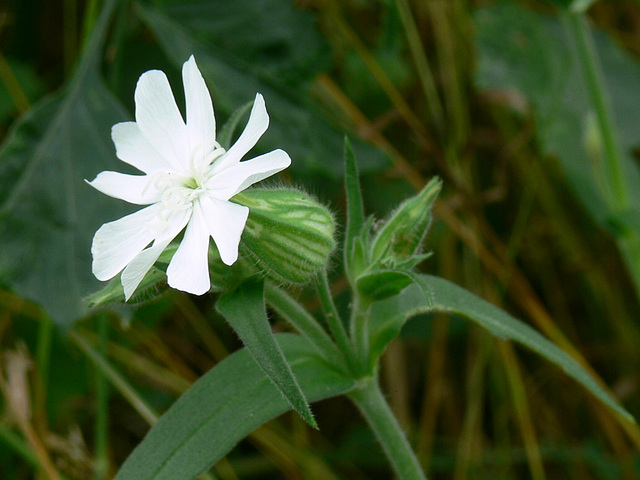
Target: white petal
236,178
159,119
256,126
225,222
116,243
135,271
138,267
138,189
133,148
189,268
201,124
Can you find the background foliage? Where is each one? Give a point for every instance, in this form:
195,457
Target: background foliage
492,98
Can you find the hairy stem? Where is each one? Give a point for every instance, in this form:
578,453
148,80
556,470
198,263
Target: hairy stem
371,403
335,322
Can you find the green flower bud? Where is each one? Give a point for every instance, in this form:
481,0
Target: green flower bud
402,235
288,234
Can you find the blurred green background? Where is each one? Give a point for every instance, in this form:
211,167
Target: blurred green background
530,113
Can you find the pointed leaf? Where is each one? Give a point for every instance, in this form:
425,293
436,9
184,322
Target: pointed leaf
355,209
244,309
48,214
223,407
388,317
381,284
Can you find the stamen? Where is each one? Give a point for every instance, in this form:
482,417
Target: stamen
202,157
162,181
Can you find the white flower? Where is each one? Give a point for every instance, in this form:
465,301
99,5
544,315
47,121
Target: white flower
188,181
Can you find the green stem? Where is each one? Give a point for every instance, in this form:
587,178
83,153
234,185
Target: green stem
304,322
595,85
359,329
334,321
371,403
102,410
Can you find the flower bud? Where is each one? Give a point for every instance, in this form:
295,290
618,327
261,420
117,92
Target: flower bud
288,234
402,235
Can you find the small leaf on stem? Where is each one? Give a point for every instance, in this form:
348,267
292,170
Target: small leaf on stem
355,208
244,309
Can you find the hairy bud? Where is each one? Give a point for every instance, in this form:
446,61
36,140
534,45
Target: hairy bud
402,235
288,235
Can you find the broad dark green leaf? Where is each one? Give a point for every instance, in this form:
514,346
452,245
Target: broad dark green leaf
265,46
221,408
48,214
244,308
533,54
388,317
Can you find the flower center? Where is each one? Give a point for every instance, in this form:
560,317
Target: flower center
180,191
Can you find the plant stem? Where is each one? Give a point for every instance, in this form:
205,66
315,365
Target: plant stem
359,329
304,322
335,322
597,94
371,403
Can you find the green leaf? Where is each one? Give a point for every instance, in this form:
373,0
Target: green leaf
388,317
381,284
240,53
244,309
355,213
48,214
221,408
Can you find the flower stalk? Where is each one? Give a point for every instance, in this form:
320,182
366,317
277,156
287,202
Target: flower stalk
335,322
374,408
